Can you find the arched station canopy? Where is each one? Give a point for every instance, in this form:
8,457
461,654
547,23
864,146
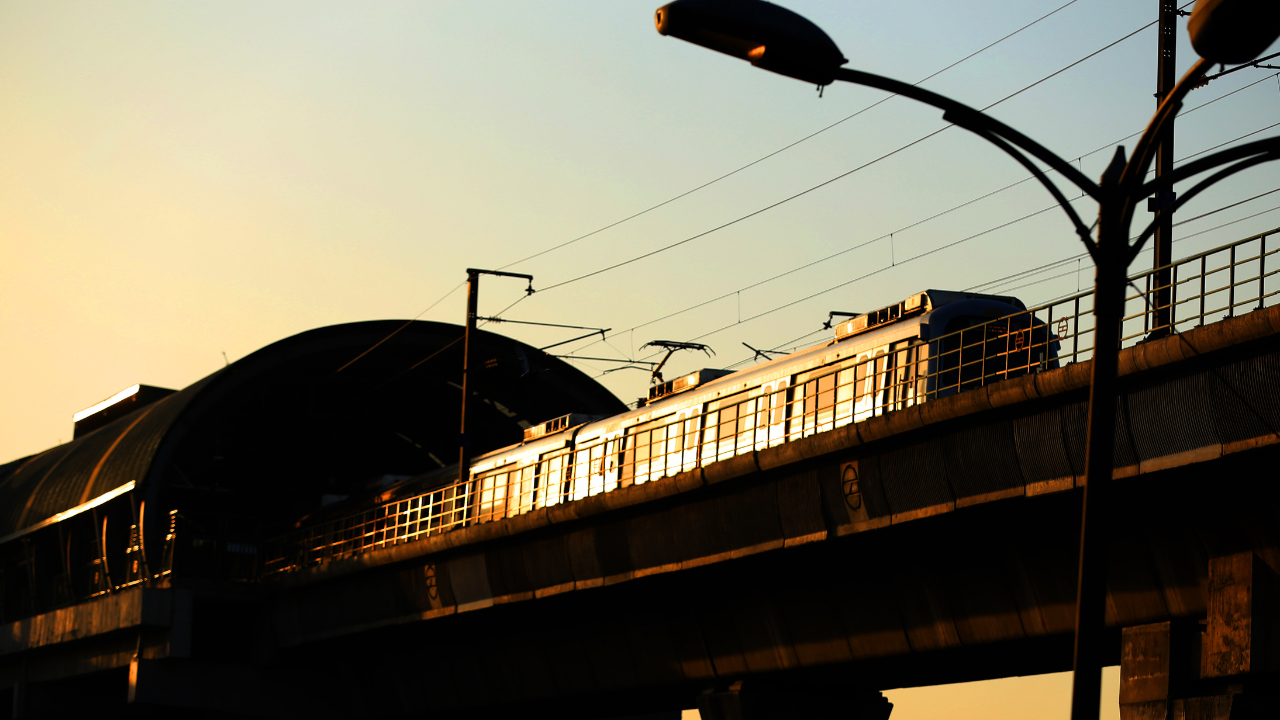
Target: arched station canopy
276,434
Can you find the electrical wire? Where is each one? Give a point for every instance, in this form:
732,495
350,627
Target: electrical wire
967,239
784,148
1000,283
1045,268
843,175
953,209
793,341
757,161
393,333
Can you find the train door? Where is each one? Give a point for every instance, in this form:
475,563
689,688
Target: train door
524,489
872,384
776,395
492,501
692,421
902,357
551,477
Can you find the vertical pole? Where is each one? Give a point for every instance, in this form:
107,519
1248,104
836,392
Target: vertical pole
1091,588
1163,255
468,383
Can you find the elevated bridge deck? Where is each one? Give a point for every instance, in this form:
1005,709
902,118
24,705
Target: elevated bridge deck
932,544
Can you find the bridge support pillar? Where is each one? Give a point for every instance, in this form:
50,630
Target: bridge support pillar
1226,667
755,700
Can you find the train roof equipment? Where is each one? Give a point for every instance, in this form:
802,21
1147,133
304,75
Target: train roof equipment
671,346
560,424
687,382
916,304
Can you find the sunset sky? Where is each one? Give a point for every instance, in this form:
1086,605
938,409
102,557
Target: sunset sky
184,180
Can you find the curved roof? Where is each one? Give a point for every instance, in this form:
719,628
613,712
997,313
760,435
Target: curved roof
283,425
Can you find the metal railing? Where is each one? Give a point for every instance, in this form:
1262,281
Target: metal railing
1204,288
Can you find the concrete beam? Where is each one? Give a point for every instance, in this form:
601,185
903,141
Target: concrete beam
761,700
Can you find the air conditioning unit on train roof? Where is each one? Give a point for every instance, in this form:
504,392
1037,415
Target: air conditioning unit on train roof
687,382
914,305
560,424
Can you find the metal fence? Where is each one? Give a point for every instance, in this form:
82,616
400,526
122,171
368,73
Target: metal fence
1201,289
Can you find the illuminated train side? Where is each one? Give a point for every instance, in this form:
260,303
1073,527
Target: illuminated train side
930,345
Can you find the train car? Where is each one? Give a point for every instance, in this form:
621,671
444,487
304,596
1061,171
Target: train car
930,345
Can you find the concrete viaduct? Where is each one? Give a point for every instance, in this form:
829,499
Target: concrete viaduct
934,544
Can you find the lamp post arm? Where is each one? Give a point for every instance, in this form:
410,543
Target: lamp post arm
1200,187
972,120
1086,235
1144,152
1268,146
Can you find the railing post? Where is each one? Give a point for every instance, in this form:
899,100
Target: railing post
1231,285
1075,337
1203,269
1262,270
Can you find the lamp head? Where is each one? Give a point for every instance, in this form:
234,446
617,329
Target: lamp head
1233,31
766,35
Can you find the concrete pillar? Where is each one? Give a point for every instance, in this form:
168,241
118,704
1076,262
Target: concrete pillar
756,700
1240,636
1158,664
1223,668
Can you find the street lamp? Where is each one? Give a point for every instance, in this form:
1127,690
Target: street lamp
1222,31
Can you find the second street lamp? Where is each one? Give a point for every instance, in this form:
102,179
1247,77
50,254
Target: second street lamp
776,39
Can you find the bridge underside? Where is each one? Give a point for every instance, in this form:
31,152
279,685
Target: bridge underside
962,596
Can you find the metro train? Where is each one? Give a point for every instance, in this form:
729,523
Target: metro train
930,345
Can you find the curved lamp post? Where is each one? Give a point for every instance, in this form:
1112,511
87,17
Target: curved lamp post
1222,31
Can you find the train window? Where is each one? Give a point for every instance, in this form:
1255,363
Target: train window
728,431
523,498
806,407
493,497
826,404
576,476
550,478
746,426
904,381
863,380
657,452
642,456
762,422
595,469
689,459
675,448
884,381
976,350
795,412
777,415
623,457
710,428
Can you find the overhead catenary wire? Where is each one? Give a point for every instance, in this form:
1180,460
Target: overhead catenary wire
952,209
842,175
792,343
1002,283
406,324
965,240
820,131
931,252
786,147
1077,256
971,55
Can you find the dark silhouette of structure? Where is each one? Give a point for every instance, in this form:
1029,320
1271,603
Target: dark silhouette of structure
932,544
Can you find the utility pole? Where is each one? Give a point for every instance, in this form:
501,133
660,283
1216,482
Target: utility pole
1162,280
469,384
